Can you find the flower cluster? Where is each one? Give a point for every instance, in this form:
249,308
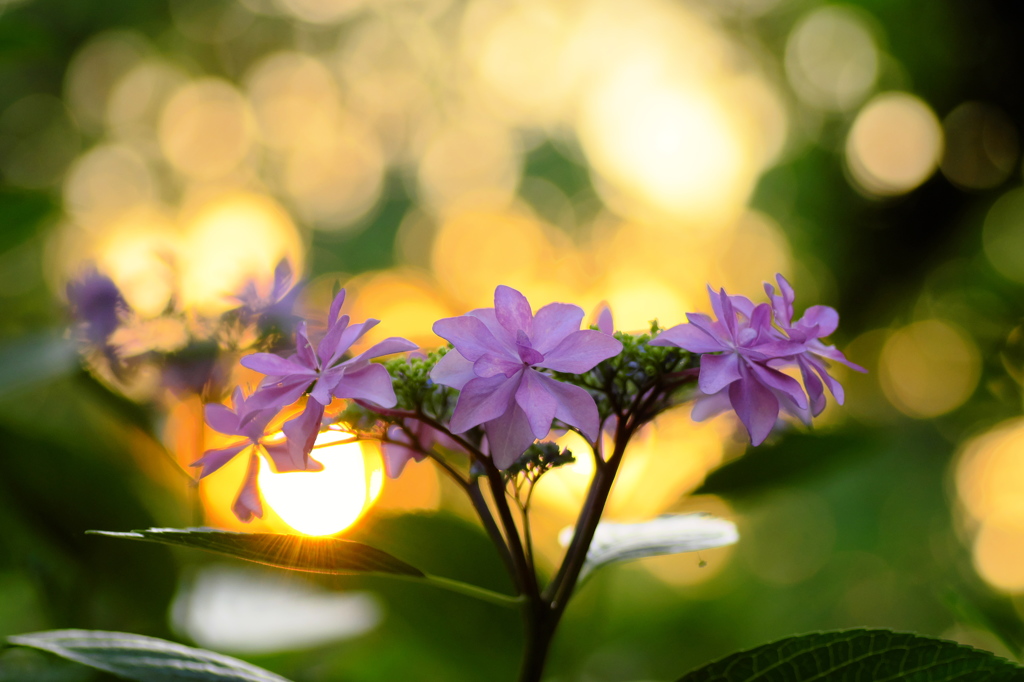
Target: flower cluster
509,376
743,351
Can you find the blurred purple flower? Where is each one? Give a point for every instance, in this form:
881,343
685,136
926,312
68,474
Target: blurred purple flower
249,422
496,350
98,305
737,351
321,372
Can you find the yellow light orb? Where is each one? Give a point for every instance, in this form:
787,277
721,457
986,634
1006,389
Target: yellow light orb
894,145
929,368
329,501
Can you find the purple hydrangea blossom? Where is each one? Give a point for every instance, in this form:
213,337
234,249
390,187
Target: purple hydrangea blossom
817,322
737,353
98,305
322,372
493,366
249,422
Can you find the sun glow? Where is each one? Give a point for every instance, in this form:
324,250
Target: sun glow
328,501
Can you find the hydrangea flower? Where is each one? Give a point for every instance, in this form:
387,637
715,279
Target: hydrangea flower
98,305
740,355
322,372
249,422
493,365
817,322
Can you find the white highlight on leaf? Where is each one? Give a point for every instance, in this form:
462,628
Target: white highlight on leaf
253,611
668,534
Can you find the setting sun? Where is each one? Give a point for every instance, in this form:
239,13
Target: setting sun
329,501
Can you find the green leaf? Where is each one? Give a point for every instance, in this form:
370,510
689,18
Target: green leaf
147,659
668,534
295,552
859,656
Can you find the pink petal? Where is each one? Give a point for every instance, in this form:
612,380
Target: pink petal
554,322
574,406
282,280
756,407
372,383
508,437
535,400
221,419
248,504
274,365
718,371
482,400
709,327
580,351
215,459
453,370
470,337
688,337
397,456
513,310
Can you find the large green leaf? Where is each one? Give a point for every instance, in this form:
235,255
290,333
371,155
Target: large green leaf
147,659
295,552
859,656
300,553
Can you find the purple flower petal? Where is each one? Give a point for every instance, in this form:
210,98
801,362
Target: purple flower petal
274,365
605,322
580,351
756,407
471,337
304,352
453,370
282,280
718,371
553,323
279,392
689,337
392,344
221,419
815,390
491,365
490,320
215,459
397,456
339,300
537,402
482,400
351,334
574,406
508,437
301,432
708,406
513,310
248,503
773,378
287,457
331,341
823,317
372,383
